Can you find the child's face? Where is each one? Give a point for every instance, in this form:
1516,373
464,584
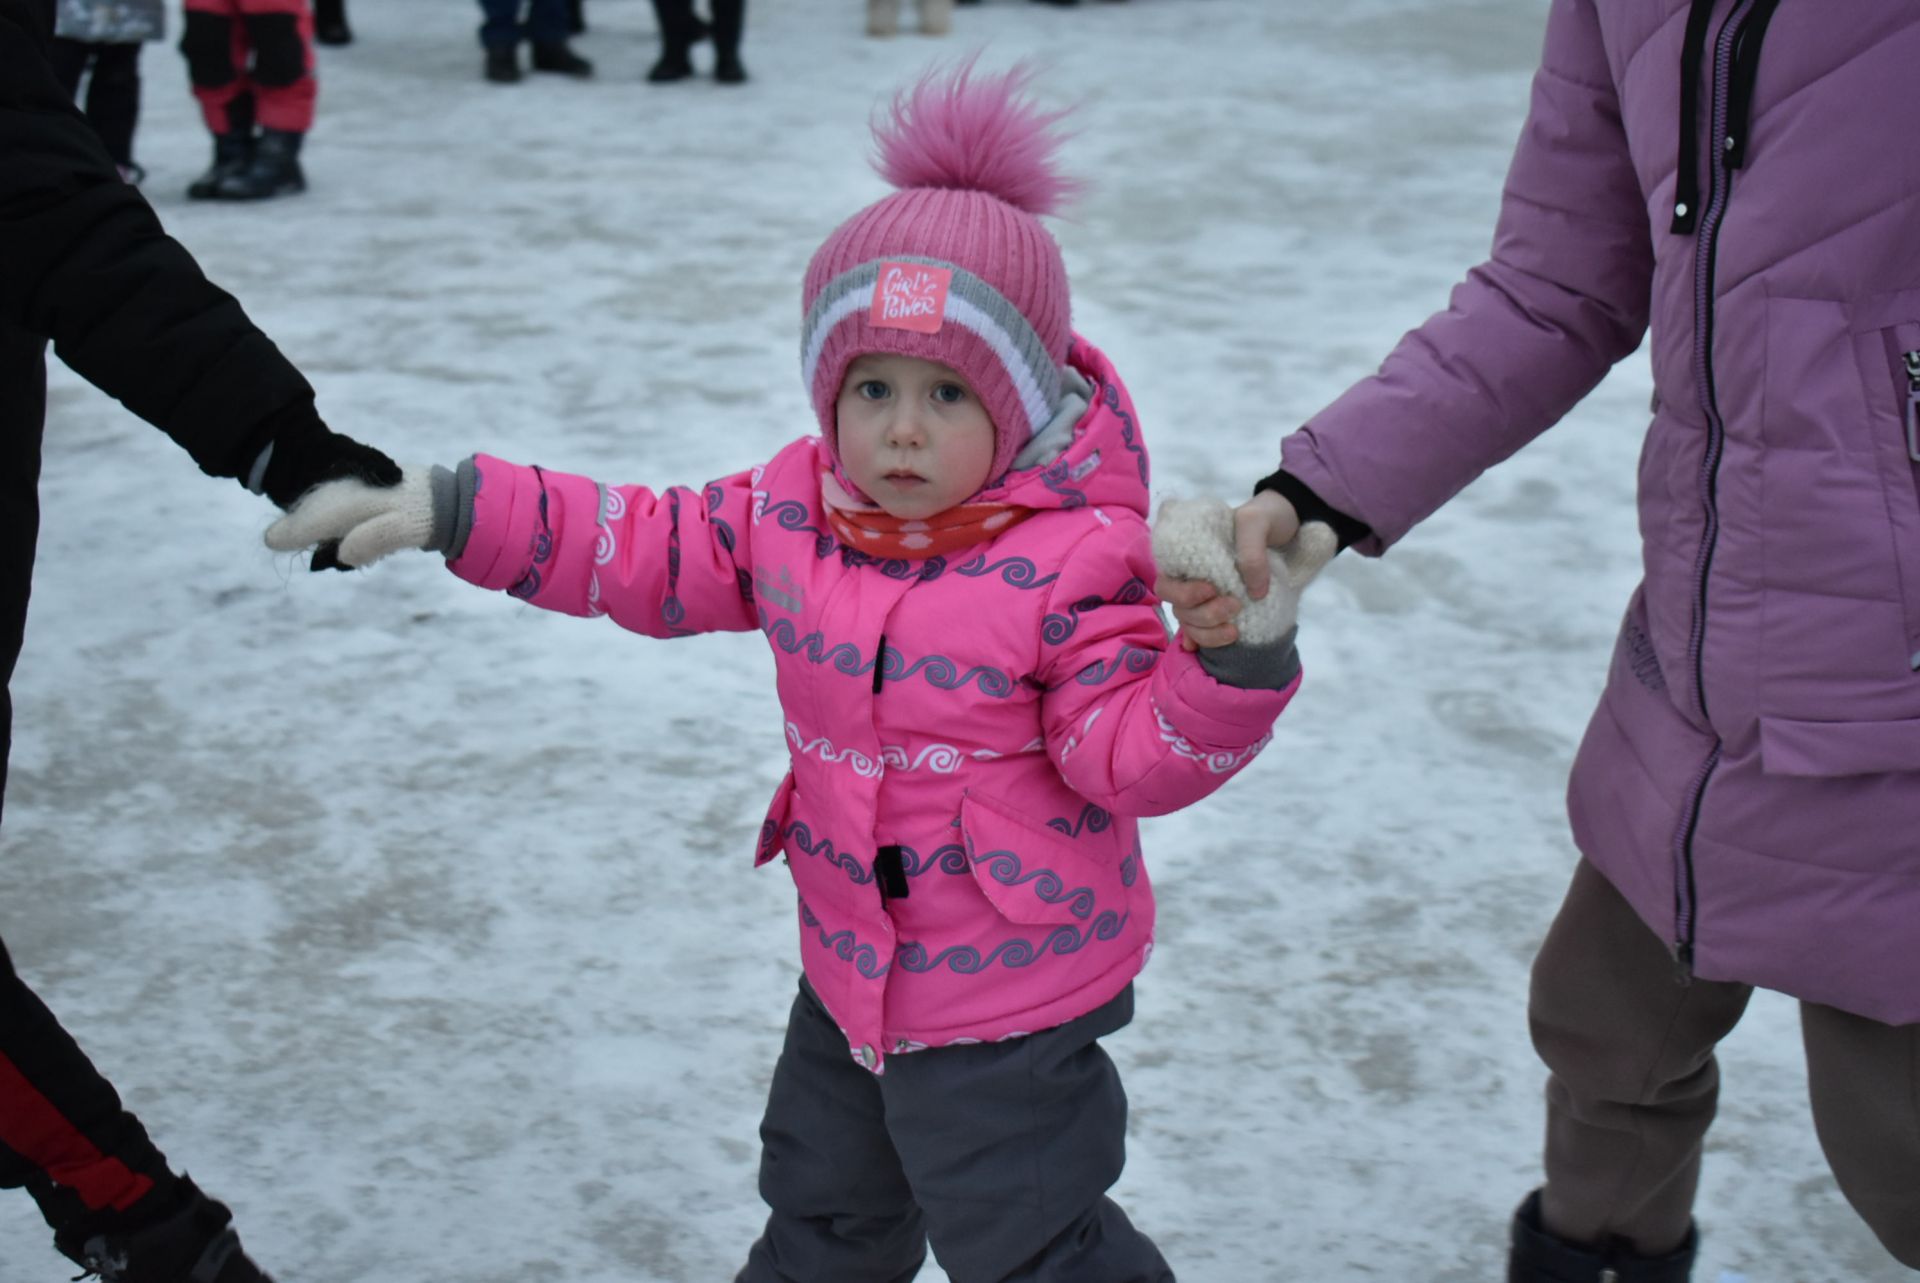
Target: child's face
913,435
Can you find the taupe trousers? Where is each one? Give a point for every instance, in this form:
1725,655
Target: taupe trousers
1634,1084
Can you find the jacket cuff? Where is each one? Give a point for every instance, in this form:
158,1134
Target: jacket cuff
1213,713
1311,507
453,492
1271,666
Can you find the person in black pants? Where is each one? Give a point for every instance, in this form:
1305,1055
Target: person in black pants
681,29
84,263
98,42
544,27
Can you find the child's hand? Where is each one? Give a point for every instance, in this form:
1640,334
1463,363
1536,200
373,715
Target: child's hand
349,523
1193,544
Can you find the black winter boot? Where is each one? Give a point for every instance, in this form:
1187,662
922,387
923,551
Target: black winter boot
273,171
729,17
330,22
232,153
193,1243
503,64
1539,1257
558,56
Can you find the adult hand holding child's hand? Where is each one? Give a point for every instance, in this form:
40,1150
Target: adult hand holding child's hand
349,523
1236,574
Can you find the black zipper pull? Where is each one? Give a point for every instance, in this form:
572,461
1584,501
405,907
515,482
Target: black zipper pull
879,663
889,870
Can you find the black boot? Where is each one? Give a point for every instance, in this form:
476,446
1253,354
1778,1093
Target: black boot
1539,1257
232,153
557,56
330,22
273,171
503,64
729,17
576,17
192,1239
680,31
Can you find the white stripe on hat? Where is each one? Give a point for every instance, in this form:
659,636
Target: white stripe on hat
851,294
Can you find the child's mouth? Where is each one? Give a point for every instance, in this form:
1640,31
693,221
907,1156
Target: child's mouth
905,478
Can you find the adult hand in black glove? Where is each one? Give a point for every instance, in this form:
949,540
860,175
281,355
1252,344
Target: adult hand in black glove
306,453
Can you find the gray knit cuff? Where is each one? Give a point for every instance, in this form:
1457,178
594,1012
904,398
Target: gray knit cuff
453,493
1270,667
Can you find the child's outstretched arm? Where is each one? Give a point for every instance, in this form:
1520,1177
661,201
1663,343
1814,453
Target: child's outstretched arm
1136,725
665,564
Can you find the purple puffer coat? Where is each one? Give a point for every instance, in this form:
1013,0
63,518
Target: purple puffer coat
1751,779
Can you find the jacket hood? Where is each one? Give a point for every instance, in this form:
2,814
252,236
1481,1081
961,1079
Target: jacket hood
1106,464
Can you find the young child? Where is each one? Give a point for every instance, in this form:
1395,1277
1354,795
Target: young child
979,697
252,69
99,41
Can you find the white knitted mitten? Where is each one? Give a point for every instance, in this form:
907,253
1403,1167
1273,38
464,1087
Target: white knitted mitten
1193,539
367,521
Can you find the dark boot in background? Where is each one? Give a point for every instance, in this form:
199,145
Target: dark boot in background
729,17
191,1238
559,57
503,65
273,171
1539,1257
330,22
680,31
232,153
576,17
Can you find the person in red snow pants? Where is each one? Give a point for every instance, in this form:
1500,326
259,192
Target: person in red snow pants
252,68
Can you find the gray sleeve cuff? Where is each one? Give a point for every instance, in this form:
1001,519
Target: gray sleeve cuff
453,493
1269,667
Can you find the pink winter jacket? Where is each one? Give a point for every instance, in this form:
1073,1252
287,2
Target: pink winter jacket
1000,716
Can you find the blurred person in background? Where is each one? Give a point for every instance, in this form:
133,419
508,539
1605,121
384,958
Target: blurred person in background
681,29
251,66
883,17
545,29
99,41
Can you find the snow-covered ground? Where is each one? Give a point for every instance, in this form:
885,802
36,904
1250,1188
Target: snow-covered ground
420,925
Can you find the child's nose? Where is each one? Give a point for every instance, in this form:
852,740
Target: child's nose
905,428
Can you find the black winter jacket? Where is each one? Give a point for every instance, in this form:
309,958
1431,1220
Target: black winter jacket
84,263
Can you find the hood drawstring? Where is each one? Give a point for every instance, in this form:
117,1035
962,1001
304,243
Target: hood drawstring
1686,181
1746,64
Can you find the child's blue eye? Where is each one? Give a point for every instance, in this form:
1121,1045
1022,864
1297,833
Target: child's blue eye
873,390
950,393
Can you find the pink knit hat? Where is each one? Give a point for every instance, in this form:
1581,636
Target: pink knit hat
955,266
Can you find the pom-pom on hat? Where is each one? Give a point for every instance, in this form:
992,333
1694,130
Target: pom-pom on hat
953,267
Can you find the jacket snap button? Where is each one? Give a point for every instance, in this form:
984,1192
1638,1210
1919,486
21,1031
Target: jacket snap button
868,1056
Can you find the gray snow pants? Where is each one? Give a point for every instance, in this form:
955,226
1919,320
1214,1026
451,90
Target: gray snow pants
1634,1085
999,1153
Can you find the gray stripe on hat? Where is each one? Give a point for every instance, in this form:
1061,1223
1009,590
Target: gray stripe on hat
983,310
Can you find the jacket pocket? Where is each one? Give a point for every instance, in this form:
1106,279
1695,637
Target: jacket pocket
774,826
1828,749
1032,874
1887,339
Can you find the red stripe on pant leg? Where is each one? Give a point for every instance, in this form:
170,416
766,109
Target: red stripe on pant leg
40,1133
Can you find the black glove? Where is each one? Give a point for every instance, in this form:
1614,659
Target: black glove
302,460
301,453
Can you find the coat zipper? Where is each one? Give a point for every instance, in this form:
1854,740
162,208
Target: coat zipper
1912,361
1711,218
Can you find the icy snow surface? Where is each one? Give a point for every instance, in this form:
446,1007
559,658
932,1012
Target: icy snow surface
419,925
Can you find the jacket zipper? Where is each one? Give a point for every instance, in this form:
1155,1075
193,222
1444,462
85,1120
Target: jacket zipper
1710,221
1912,361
